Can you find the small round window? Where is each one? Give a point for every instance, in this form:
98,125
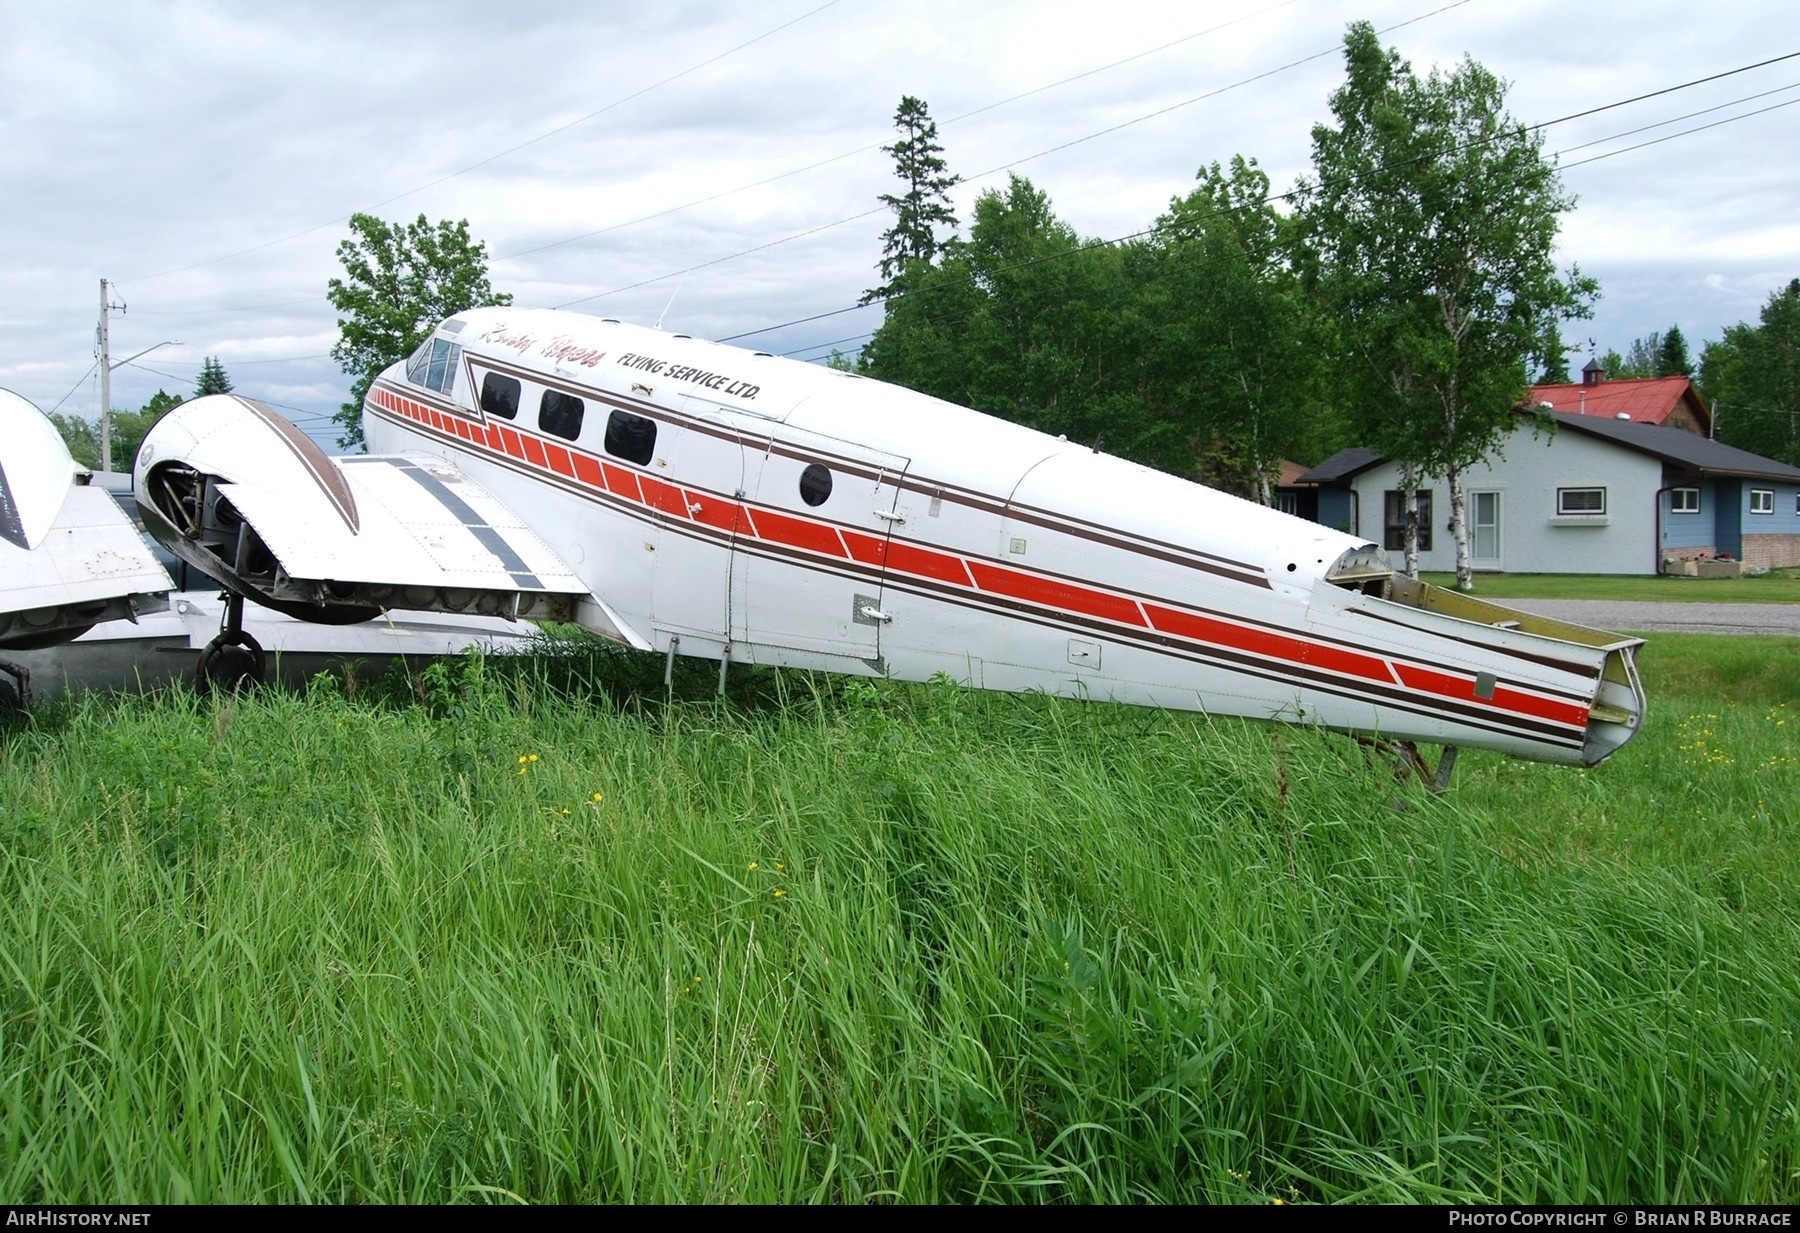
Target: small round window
815,484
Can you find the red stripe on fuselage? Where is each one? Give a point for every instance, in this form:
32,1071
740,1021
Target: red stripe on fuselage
781,529
1055,593
1462,689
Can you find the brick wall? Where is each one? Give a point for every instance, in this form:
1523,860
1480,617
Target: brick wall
1772,551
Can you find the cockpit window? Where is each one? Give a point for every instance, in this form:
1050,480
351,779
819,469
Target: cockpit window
415,367
441,371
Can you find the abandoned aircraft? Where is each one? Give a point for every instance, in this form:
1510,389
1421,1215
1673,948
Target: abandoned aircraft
694,498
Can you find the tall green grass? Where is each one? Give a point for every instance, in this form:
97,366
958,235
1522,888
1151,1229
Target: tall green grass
543,936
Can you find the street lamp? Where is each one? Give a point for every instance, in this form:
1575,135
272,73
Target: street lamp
106,370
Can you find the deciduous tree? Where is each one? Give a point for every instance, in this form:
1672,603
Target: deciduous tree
399,281
1231,346
81,436
130,427
1752,376
1430,222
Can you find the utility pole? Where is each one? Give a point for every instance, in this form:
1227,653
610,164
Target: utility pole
106,368
104,335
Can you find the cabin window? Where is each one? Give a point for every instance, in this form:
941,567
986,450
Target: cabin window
560,414
1394,505
815,484
1684,500
500,396
1288,502
1762,500
1581,500
631,437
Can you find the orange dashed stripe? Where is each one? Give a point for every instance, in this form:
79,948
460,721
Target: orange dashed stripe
790,531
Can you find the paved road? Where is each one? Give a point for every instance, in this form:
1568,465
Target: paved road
1682,618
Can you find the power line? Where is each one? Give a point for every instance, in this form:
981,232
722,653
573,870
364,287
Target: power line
813,166
1290,194
65,398
1684,133
502,154
876,145
1008,166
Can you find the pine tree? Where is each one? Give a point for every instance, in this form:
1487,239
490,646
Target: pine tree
923,207
1672,357
212,378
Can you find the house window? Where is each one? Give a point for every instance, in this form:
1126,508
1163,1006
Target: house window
1288,502
1684,500
1762,500
1581,500
1394,505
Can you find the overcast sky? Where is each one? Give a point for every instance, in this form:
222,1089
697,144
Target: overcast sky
623,159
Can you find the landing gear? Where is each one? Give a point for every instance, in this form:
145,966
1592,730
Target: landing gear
233,660
1408,761
15,695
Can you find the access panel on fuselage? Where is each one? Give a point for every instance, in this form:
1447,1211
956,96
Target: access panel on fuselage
809,569
694,483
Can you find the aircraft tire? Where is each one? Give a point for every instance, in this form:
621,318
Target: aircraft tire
230,662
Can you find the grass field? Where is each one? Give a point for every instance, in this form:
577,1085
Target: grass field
1777,587
494,937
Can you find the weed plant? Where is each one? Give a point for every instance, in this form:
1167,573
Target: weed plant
538,932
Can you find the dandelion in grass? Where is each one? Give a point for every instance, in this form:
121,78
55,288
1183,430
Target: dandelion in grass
780,894
752,865
596,798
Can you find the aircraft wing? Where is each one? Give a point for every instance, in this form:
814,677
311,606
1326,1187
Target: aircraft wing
69,557
236,491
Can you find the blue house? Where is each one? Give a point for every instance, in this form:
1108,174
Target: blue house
1597,496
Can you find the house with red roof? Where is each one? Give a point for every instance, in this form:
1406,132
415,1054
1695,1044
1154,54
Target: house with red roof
1667,402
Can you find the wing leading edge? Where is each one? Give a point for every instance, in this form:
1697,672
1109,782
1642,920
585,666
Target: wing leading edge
236,491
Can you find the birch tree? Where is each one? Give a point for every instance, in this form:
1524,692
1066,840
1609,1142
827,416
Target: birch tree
1430,225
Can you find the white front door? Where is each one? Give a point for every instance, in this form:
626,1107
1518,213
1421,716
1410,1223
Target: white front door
1484,530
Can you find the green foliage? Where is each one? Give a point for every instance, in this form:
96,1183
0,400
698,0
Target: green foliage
81,436
1672,355
130,427
400,280
1556,361
1752,376
923,207
1232,343
212,378
487,940
1028,322
1430,226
